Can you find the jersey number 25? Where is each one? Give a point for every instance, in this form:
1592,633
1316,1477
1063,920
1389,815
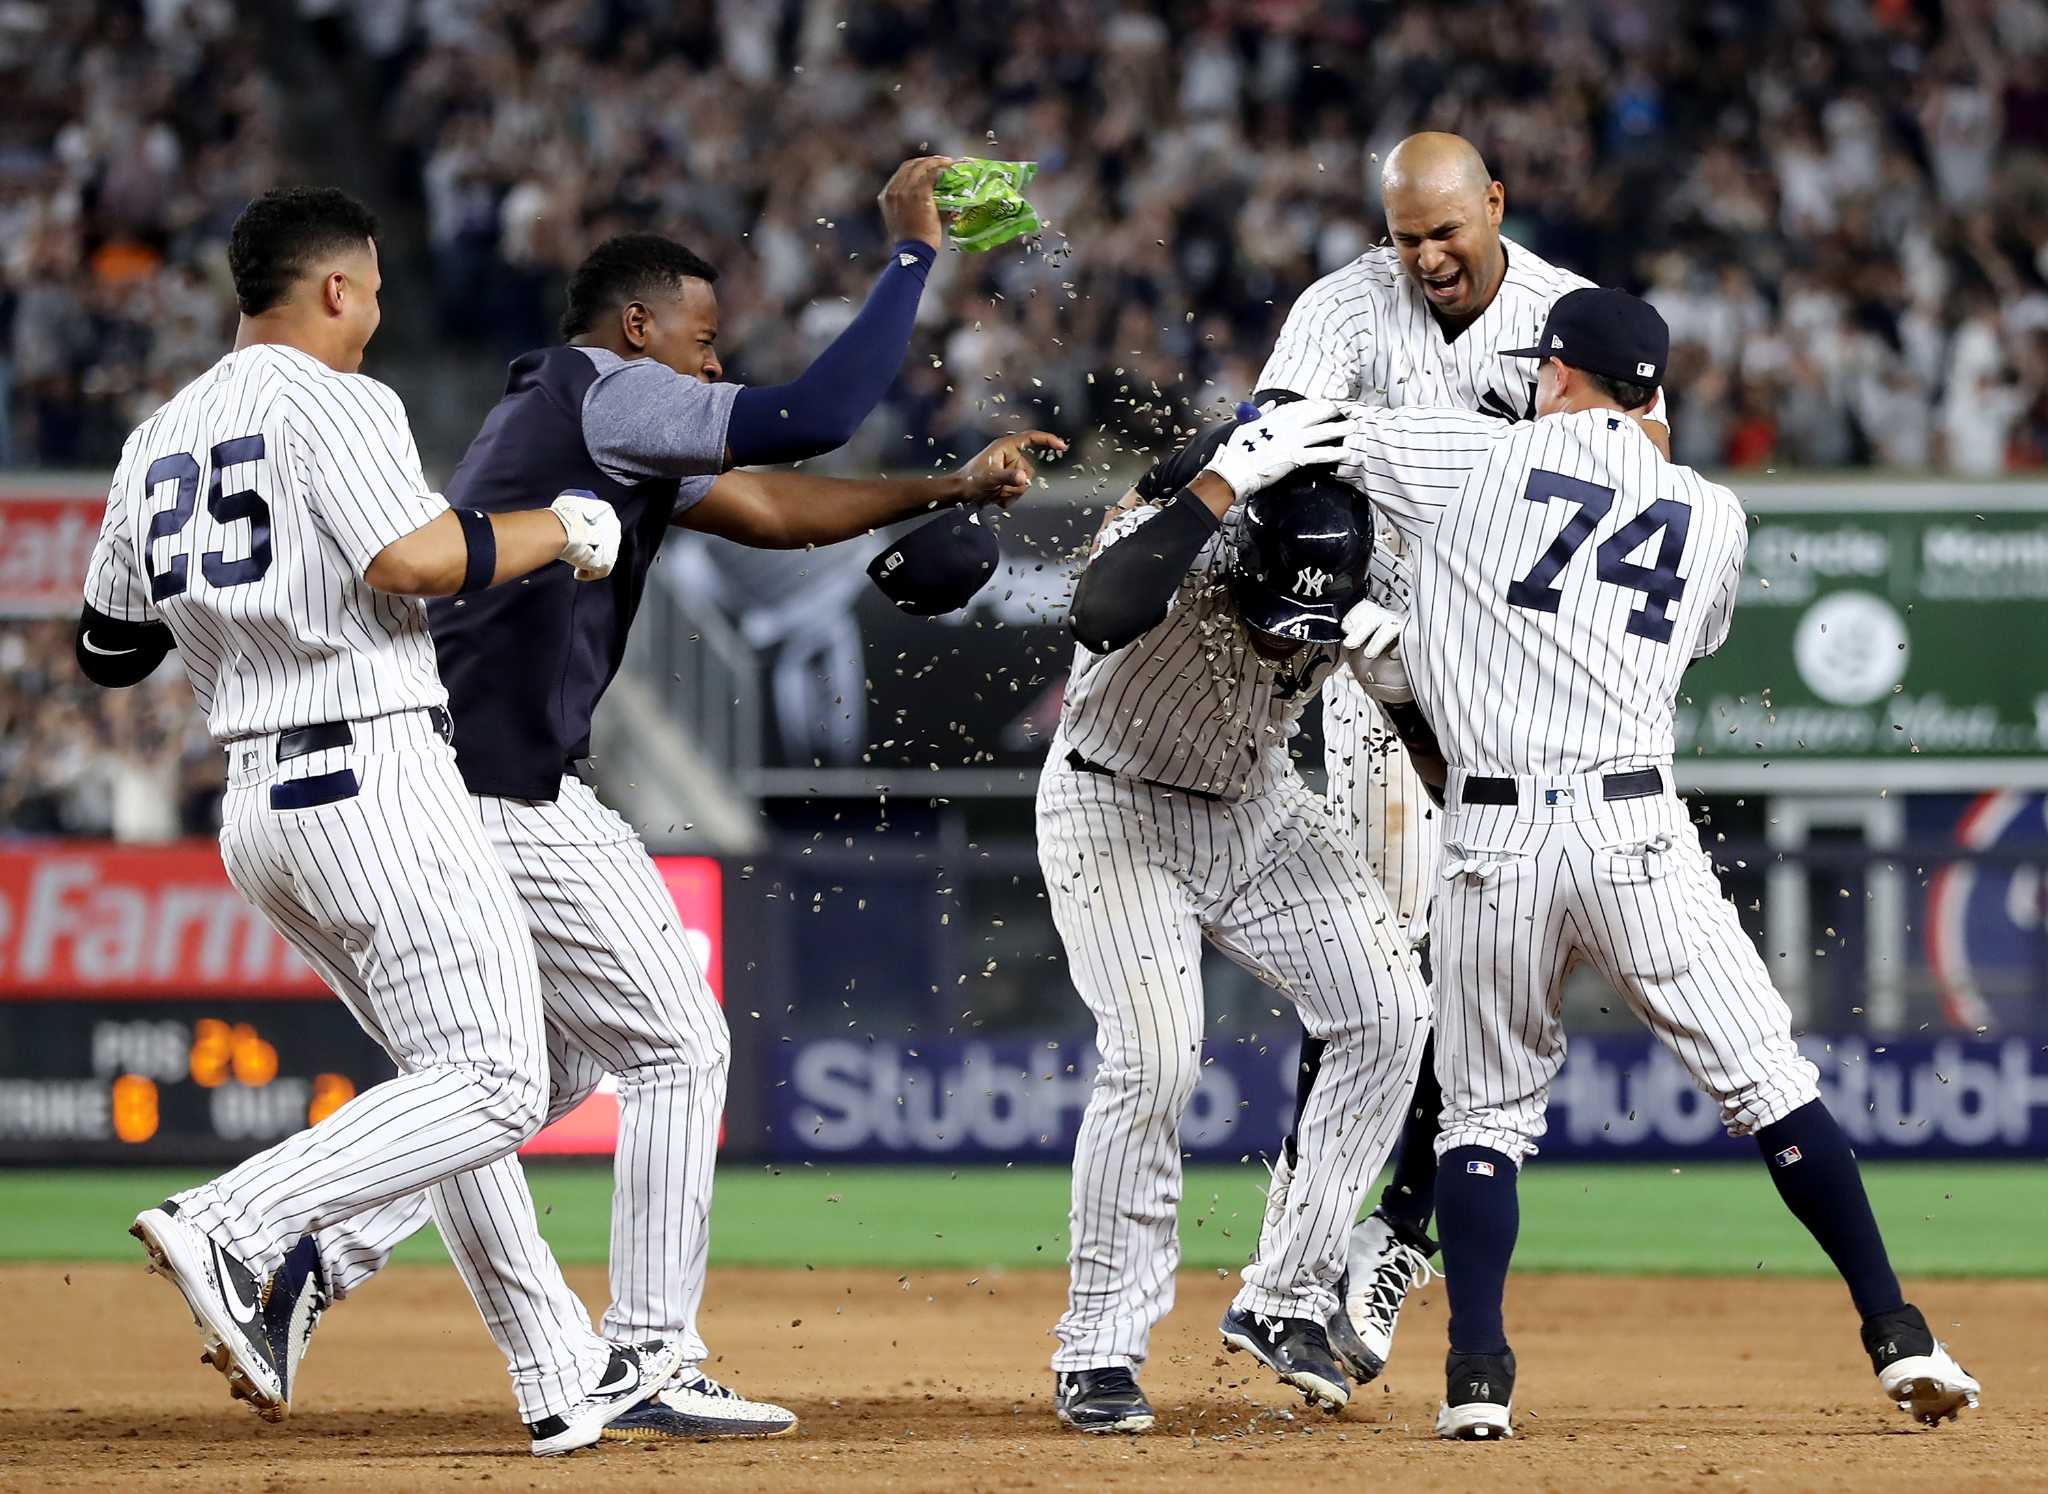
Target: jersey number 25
1661,585
214,565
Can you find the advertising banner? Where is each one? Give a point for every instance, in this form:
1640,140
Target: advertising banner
47,531
1019,1099
123,923
148,1013
1878,634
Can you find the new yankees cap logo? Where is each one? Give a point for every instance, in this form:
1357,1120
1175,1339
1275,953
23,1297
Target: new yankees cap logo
1556,341
1311,581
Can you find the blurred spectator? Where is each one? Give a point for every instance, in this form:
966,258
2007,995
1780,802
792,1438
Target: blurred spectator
78,760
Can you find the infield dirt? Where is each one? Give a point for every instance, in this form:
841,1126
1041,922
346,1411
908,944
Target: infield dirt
937,1380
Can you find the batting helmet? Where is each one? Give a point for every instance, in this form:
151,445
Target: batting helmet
1301,560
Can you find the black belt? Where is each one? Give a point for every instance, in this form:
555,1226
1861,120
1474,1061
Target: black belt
330,788
1639,784
1081,764
330,734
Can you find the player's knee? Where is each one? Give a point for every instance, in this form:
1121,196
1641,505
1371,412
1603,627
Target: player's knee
1156,1082
1785,1082
514,1102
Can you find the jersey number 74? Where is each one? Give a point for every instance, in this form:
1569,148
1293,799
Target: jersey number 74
1542,590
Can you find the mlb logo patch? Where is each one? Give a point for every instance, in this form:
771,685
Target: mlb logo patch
1647,370
1787,1157
1484,1169
1557,796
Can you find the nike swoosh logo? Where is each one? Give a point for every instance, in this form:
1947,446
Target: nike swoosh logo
94,648
245,1312
629,1376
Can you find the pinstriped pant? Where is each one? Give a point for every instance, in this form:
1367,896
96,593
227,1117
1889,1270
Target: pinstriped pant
1528,890
622,994
395,897
1137,878
1374,791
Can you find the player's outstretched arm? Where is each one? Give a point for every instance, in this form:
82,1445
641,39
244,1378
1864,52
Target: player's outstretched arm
820,409
464,550
786,510
1142,555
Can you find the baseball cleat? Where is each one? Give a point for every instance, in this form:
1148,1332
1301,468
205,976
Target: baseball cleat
1915,1373
1296,1349
1385,1260
1101,1400
1479,1394
226,1302
633,1373
696,1406
293,1300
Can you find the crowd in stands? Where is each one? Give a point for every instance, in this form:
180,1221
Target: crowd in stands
132,135
1840,205
78,760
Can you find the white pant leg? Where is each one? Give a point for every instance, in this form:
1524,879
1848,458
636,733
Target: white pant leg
1500,941
1659,928
397,900
356,1249
622,986
1312,923
1375,793
1120,900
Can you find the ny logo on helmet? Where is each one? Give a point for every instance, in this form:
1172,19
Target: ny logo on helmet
1311,581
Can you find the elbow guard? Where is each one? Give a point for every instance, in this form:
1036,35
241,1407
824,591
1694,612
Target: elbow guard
1128,586
118,654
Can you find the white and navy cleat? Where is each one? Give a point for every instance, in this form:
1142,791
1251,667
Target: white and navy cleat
695,1407
1479,1396
1917,1374
634,1373
226,1301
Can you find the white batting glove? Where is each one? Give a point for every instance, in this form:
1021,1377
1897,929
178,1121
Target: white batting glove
592,526
1372,647
1260,452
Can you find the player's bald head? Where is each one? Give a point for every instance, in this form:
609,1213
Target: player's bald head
1436,163
1443,214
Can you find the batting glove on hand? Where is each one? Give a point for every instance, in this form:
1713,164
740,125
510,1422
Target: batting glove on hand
592,527
1372,647
1260,452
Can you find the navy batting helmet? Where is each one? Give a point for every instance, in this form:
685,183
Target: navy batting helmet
1301,560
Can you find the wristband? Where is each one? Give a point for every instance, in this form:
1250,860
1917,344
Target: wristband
481,538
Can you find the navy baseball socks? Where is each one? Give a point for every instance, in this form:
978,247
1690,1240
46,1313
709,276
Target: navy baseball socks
1815,1170
1478,1217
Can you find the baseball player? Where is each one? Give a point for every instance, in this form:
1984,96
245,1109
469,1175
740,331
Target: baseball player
1169,812
629,408
1417,321
1565,576
272,524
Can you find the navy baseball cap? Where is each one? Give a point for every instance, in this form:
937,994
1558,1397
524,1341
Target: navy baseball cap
1606,332
940,565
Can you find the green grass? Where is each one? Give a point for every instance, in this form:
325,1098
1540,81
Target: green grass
1956,1219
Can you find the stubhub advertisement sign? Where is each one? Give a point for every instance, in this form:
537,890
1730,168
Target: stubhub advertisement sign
1020,1098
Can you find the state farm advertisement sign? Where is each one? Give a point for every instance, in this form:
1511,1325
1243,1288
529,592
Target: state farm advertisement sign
46,542
117,922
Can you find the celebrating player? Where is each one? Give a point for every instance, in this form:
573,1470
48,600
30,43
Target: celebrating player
292,594
629,408
1169,812
1416,321
1565,576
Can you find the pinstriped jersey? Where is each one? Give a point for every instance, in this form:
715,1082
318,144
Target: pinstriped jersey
1564,576
1191,704
1365,332
243,515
